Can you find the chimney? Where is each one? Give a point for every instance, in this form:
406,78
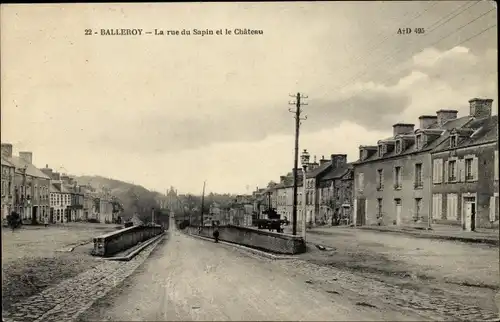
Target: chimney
323,160
56,176
402,128
26,156
338,160
445,115
426,121
47,171
480,107
7,150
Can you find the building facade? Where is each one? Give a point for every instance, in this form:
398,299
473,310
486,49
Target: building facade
283,196
325,182
31,186
465,172
335,195
8,170
392,180
60,202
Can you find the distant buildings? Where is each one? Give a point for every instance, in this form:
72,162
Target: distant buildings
31,186
39,194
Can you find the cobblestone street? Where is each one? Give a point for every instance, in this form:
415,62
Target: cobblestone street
71,297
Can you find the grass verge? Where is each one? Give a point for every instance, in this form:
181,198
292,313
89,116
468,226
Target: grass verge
25,277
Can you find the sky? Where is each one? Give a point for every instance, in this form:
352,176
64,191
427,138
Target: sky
164,111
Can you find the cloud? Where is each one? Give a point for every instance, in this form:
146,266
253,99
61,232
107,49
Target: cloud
436,80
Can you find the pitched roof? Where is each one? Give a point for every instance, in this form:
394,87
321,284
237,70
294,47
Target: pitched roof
319,170
485,131
447,126
31,170
338,172
5,162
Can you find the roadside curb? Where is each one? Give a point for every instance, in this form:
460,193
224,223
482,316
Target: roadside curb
72,247
137,251
247,249
432,236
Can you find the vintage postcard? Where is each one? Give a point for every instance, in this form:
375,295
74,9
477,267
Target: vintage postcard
250,161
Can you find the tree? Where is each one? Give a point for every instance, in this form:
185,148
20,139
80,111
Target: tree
14,220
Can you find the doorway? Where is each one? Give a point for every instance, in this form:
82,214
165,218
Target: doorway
361,212
469,214
398,211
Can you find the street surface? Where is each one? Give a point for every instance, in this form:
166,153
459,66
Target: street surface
189,279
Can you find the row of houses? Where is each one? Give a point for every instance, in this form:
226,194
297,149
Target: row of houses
443,172
40,194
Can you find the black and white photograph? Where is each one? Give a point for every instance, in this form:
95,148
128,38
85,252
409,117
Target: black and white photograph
250,161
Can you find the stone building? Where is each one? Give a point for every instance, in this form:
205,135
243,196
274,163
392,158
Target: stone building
393,180
8,170
322,180
60,202
31,186
335,195
283,196
465,171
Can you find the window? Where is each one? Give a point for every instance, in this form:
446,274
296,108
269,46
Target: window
379,207
453,141
452,206
419,142
397,178
468,169
418,208
399,146
437,206
361,179
452,170
380,179
437,170
418,175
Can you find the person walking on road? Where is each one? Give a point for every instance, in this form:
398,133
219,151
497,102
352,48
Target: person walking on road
46,220
216,235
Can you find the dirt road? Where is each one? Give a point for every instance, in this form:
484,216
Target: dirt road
190,279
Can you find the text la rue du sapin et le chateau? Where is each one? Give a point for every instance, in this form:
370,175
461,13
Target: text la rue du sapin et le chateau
173,32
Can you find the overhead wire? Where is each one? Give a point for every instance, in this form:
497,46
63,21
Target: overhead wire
352,80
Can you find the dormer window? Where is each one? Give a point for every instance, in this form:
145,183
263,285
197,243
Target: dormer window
419,141
399,146
453,141
381,150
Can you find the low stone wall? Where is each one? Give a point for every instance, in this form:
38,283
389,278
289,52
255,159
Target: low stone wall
123,239
255,238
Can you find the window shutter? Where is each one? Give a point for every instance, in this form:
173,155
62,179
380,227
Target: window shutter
439,206
445,172
492,209
440,171
475,168
495,164
450,209
434,171
461,170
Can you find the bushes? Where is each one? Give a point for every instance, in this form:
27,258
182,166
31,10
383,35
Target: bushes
93,220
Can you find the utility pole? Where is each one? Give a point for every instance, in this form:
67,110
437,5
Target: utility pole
298,118
202,202
153,216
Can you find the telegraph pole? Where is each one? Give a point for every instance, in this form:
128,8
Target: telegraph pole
298,118
202,202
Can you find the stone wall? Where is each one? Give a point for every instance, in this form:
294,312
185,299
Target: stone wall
123,239
259,239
